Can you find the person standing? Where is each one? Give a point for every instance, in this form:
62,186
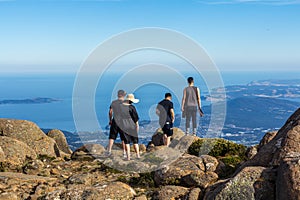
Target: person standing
190,102
114,122
165,111
129,124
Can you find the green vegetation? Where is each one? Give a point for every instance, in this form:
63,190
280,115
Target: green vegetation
220,147
143,180
230,153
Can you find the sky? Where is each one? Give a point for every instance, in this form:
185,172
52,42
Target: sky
238,35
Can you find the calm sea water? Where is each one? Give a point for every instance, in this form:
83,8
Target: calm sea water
59,114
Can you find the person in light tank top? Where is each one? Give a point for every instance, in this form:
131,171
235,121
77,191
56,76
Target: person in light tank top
190,103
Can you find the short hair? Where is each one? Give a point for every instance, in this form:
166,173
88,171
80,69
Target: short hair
121,93
168,95
190,80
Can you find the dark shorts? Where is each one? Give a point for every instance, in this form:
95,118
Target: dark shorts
168,129
114,130
130,139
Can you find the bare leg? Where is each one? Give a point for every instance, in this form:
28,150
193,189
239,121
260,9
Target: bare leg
168,140
124,147
165,139
128,151
110,144
137,150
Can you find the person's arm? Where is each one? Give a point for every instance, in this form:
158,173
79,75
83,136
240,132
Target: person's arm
135,117
199,102
110,115
183,99
157,111
137,126
199,97
172,115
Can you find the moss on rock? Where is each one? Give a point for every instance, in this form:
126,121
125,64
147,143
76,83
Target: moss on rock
229,153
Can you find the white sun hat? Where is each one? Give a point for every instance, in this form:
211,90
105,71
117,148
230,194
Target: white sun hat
130,97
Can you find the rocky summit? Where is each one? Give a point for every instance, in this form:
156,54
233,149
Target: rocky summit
39,166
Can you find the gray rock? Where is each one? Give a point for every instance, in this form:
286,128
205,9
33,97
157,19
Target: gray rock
15,152
30,134
9,196
188,170
244,186
88,152
171,192
60,140
115,190
194,194
288,180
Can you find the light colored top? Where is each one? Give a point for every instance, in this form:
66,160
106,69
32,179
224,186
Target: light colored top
191,96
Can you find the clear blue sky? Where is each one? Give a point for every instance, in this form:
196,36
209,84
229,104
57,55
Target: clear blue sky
57,35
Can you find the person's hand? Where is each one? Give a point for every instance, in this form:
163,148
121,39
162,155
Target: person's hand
182,109
110,122
201,113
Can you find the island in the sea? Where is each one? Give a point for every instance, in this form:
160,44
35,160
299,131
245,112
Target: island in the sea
38,100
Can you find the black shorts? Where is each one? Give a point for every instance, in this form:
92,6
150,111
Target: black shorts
168,129
114,130
131,138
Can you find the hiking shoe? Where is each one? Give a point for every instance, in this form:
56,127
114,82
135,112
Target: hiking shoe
107,153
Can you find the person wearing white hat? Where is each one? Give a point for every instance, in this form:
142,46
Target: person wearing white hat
129,124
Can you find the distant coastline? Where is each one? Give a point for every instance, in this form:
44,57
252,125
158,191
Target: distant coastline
38,100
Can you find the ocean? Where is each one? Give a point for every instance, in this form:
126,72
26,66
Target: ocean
58,115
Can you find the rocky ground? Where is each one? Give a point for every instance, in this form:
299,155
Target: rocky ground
34,165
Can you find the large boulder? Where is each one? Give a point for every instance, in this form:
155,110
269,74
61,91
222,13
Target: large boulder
290,147
195,194
60,140
157,138
22,185
188,170
229,154
288,179
182,144
88,152
272,173
171,192
115,190
266,139
250,183
30,134
177,192
15,152
9,196
272,153
2,155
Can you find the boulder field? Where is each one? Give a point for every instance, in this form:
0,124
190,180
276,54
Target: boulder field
39,166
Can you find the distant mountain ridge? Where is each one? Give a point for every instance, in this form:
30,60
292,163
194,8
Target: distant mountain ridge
264,88
38,100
